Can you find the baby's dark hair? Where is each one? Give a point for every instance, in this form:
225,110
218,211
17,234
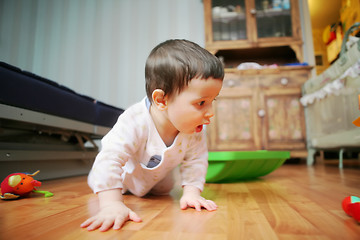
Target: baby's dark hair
173,63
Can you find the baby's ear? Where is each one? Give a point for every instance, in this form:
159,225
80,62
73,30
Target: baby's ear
159,99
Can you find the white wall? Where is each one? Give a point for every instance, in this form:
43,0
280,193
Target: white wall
97,48
308,50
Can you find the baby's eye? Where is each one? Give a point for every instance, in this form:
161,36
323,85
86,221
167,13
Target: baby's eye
201,103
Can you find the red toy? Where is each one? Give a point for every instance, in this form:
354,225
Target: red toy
351,205
19,185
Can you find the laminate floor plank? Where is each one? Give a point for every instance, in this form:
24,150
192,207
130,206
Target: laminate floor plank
293,202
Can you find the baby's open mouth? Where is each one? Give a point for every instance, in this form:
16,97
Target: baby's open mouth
199,128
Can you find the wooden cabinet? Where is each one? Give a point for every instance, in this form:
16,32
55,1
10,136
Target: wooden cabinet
260,109
257,109
244,24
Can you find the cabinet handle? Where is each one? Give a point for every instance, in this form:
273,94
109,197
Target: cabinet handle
261,113
231,83
284,81
253,11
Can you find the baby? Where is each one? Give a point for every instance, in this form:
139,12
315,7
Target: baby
154,136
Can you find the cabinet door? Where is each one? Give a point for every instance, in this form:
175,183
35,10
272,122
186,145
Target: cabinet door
273,18
235,125
283,120
228,20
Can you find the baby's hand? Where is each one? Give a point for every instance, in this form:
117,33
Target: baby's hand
192,198
113,214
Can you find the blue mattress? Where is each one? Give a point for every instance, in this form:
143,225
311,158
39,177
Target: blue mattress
26,90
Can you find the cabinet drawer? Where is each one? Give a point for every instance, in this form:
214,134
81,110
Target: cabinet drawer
283,80
237,80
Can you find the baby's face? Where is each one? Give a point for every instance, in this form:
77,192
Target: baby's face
192,108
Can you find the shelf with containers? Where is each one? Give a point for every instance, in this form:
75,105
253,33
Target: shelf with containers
247,24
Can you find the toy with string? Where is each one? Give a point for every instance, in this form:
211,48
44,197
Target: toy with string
18,185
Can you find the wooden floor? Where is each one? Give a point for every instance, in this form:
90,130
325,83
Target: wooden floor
293,202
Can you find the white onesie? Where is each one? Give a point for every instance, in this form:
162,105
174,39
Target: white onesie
128,147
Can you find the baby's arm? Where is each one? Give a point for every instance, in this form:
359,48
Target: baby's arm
192,198
113,212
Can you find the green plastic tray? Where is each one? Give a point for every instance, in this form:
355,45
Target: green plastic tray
234,166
